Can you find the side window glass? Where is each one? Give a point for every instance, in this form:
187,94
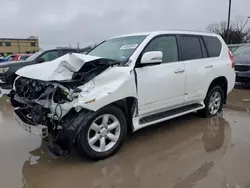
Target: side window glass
190,47
213,46
203,49
246,50
167,45
49,56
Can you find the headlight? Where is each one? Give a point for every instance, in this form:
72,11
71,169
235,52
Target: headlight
4,69
87,87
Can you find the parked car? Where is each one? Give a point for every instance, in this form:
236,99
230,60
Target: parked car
16,57
8,69
2,59
5,59
242,64
19,57
124,84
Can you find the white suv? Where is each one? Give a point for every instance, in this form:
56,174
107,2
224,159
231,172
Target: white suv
124,84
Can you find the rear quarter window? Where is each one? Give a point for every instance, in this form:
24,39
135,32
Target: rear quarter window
213,46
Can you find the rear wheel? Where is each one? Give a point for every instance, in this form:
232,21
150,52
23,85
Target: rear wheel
213,102
104,134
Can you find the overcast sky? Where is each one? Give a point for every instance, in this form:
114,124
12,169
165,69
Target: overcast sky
63,22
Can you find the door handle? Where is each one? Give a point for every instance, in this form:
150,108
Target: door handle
179,71
209,66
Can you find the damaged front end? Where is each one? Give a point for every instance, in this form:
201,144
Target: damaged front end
48,108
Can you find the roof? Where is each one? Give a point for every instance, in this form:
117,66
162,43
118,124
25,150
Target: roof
17,39
169,32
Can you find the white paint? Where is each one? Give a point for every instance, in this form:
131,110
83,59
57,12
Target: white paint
200,74
112,85
61,68
159,87
152,57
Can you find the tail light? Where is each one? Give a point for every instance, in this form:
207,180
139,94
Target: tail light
231,58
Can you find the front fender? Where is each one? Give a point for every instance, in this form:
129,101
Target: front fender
112,85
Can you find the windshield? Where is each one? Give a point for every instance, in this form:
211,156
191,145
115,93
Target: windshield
119,49
244,50
34,56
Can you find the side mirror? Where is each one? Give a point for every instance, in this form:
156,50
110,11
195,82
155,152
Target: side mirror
153,57
41,60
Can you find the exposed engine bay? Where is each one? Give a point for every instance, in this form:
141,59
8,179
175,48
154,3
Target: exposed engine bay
49,103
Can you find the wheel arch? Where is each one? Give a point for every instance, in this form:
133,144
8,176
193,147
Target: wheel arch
223,83
129,106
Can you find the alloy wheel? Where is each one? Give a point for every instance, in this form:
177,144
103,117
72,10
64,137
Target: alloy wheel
214,103
104,132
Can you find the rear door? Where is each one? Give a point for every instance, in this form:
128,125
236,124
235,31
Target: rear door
192,54
199,64
161,86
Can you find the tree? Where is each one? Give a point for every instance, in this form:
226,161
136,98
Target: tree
238,32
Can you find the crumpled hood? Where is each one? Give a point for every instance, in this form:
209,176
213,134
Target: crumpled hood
59,69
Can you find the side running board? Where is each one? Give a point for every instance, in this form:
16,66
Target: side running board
175,112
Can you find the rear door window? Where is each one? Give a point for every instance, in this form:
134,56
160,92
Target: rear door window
213,46
190,47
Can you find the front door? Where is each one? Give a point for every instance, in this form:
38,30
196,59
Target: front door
161,86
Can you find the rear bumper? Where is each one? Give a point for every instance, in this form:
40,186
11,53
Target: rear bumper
243,77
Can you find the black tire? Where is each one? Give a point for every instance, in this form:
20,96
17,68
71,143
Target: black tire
205,112
83,147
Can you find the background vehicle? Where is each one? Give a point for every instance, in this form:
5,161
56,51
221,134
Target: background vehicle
242,64
2,59
5,59
124,84
19,57
8,69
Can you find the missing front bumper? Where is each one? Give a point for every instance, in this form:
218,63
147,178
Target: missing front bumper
38,130
4,91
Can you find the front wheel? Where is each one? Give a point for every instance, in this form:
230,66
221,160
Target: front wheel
213,102
104,134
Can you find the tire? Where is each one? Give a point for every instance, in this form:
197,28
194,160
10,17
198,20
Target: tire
207,111
96,135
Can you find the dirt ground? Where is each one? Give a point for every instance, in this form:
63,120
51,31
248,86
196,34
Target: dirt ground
181,153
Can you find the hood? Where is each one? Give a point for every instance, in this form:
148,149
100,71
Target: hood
10,63
242,59
59,69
